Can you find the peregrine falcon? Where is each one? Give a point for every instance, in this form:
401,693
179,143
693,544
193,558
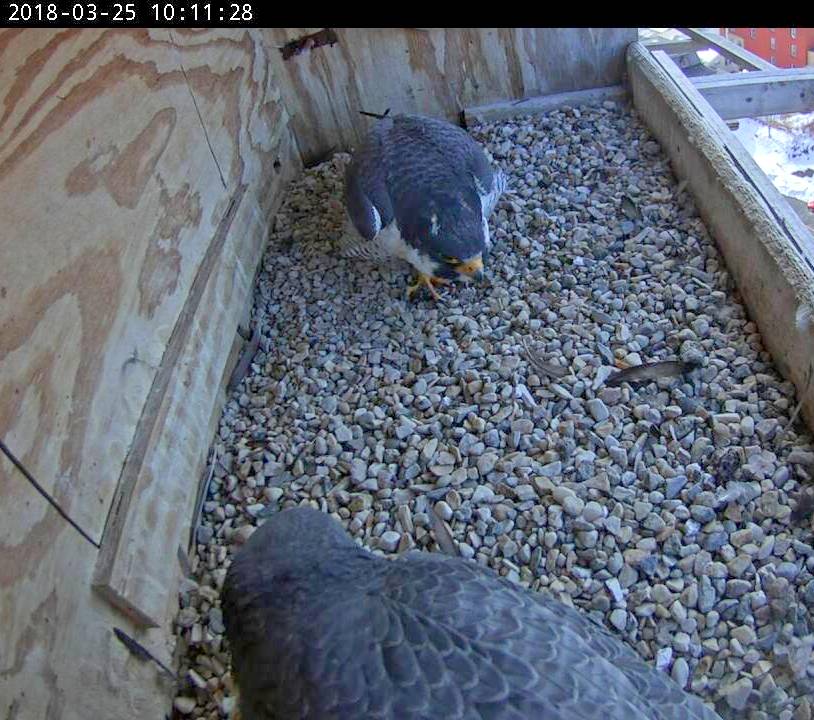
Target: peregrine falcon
320,628
421,190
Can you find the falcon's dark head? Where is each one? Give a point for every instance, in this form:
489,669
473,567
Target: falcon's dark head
293,536
452,268
456,236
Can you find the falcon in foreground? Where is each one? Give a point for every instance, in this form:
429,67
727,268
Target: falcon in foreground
421,190
320,628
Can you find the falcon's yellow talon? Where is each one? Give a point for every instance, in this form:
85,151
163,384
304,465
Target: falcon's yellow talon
426,281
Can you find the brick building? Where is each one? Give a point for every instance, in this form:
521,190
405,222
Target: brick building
783,47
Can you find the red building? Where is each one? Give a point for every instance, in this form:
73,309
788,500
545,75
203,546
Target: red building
784,47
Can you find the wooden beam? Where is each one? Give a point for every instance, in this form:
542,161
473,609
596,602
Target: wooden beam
677,47
759,93
544,103
729,50
802,211
768,249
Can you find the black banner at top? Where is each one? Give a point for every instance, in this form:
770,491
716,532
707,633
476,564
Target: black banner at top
141,13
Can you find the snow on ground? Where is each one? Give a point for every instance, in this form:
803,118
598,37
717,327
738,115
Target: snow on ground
707,56
783,147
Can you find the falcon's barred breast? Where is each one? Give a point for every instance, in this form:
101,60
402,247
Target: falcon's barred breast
320,628
422,190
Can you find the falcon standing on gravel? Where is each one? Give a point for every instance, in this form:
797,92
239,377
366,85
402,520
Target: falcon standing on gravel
421,190
320,628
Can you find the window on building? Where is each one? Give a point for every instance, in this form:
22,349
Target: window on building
773,43
753,33
773,60
793,50
793,33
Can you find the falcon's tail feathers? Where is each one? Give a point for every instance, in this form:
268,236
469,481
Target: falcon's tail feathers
351,246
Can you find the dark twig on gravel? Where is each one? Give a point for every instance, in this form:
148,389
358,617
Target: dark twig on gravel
797,409
548,369
246,357
442,536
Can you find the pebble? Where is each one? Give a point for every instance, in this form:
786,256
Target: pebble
389,541
184,705
483,494
737,694
664,658
618,619
593,511
486,463
358,470
680,672
675,485
615,590
523,426
598,409
573,505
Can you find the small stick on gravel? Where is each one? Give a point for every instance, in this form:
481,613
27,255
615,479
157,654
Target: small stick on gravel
203,492
141,652
245,361
548,369
378,116
797,409
701,283
186,565
442,535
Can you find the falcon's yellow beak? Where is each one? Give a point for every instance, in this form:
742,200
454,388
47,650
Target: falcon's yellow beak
472,267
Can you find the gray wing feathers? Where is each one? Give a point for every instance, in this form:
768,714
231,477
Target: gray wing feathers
414,640
361,210
428,165
407,169
366,193
582,670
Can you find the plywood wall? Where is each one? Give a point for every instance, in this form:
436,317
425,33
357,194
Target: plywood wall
138,170
434,71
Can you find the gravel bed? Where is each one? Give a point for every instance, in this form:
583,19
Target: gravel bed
666,509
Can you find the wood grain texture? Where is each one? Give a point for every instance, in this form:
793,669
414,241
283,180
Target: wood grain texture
122,156
239,104
433,71
103,202
59,658
768,249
